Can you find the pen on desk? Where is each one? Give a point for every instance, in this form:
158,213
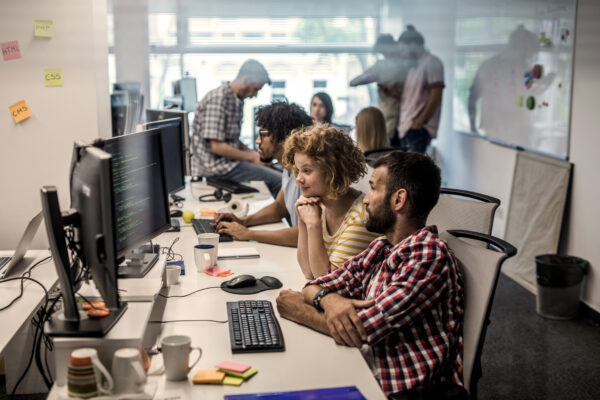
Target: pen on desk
248,197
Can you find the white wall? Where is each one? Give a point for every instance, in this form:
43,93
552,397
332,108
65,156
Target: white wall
473,163
37,151
584,225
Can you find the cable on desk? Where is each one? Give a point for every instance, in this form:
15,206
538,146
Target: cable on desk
187,320
189,294
171,255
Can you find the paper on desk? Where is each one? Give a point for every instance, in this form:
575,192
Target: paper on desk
232,253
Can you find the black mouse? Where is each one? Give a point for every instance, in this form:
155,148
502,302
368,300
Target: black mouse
176,213
271,282
241,281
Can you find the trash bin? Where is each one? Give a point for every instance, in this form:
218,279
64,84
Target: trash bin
559,285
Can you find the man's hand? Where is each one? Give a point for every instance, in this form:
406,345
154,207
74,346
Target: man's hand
235,229
226,217
417,124
344,324
290,304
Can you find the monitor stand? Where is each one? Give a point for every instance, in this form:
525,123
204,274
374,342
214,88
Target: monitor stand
57,325
138,262
175,226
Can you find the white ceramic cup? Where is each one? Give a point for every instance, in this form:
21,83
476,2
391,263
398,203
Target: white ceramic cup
204,255
173,274
176,351
127,371
210,238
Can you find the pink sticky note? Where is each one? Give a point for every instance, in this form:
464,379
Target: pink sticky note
10,50
216,271
233,366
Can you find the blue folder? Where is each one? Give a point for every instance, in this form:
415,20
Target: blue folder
338,393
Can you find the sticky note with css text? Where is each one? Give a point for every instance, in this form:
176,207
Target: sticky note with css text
20,111
53,76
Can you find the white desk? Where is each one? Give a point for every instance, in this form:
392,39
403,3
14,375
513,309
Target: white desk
13,318
311,359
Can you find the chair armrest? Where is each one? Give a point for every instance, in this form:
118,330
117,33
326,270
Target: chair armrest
472,195
505,247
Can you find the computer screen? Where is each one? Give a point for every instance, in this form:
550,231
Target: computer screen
157,115
141,207
119,108
186,87
173,149
135,104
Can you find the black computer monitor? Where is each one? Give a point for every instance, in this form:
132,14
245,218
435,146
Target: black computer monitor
118,201
173,149
135,105
186,87
119,110
157,115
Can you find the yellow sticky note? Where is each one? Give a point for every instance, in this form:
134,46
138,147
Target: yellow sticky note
20,111
53,76
43,28
232,381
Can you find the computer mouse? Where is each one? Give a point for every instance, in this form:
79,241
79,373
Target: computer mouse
271,282
176,213
241,281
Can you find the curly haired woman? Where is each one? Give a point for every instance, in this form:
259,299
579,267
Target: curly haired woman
331,214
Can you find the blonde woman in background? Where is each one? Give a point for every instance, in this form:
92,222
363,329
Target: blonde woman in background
370,130
331,214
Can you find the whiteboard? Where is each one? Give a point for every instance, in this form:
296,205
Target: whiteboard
513,72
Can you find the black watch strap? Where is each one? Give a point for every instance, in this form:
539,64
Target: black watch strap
317,299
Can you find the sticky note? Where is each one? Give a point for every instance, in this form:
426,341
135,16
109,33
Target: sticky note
217,271
233,366
43,28
208,376
232,381
20,111
53,76
246,375
11,50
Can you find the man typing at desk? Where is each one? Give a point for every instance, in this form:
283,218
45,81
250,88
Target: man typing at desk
400,300
275,123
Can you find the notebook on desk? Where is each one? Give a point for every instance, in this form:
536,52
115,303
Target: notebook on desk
9,259
336,393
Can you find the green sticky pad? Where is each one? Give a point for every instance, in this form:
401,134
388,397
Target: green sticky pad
232,381
244,375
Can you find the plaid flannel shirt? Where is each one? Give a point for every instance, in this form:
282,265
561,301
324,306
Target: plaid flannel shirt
415,326
218,116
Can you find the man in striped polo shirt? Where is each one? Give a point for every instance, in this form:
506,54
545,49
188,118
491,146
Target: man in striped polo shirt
401,300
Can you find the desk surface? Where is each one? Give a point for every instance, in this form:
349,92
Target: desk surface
24,308
311,359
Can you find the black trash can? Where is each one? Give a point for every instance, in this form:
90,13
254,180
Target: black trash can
559,285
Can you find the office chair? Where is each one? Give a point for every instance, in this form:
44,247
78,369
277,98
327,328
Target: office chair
462,209
480,268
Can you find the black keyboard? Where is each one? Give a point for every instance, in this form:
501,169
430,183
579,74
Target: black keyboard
253,327
206,226
4,261
229,185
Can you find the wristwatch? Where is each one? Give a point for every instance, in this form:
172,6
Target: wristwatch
317,299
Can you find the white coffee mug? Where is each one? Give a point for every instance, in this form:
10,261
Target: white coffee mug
176,351
210,238
127,371
173,274
204,255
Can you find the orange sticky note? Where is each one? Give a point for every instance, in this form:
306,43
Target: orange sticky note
208,376
11,50
20,111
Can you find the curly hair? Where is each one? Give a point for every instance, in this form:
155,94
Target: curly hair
280,118
337,157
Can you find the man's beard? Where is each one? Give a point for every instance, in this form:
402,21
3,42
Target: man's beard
382,221
265,159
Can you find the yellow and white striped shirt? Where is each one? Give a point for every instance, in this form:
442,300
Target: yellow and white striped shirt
351,238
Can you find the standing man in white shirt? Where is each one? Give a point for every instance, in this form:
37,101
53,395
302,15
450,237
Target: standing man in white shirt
421,99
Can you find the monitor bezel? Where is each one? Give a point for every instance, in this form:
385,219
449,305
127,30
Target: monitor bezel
156,125
155,114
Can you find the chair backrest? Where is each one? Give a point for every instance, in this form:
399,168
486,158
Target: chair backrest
479,267
462,209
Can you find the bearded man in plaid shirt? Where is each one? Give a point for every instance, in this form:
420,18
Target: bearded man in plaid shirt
401,300
216,146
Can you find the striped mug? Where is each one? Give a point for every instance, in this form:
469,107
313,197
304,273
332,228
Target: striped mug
85,375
